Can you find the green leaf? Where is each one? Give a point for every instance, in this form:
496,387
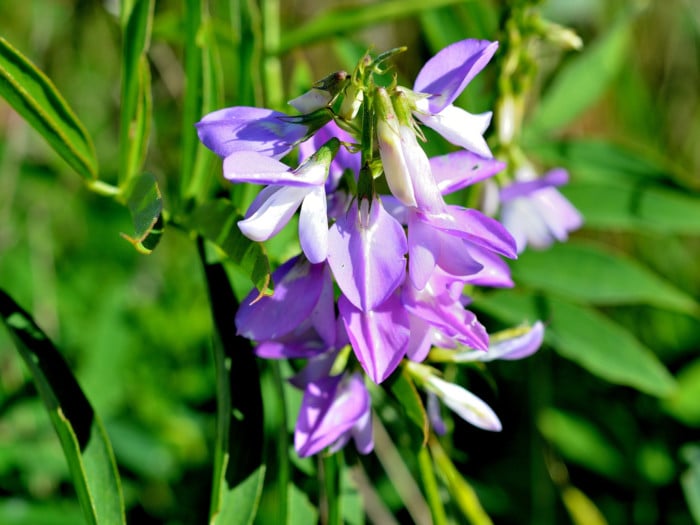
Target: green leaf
586,337
580,442
581,508
217,221
346,19
301,510
404,391
146,205
136,89
82,435
38,101
684,404
595,274
575,89
239,470
690,480
642,208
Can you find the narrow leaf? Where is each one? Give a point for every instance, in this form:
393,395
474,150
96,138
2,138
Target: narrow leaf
38,101
684,404
239,470
82,435
346,19
636,207
595,274
146,205
580,507
586,337
580,442
136,86
690,480
217,221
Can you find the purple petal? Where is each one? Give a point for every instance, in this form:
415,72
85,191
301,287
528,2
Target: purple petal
420,342
366,251
433,409
298,285
424,249
447,74
273,213
558,213
328,410
555,177
323,316
465,404
460,169
249,129
362,434
379,337
474,226
343,159
518,347
317,367
313,225
292,348
494,272
255,168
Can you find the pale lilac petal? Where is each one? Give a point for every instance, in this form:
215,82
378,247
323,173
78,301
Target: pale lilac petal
313,225
557,212
447,315
366,249
465,404
509,349
317,367
249,129
295,348
555,177
494,272
455,256
328,410
460,169
460,128
273,214
379,337
323,316
473,226
362,433
425,189
298,285
424,249
420,341
447,73
255,168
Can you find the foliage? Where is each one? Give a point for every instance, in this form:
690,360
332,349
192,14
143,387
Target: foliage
97,139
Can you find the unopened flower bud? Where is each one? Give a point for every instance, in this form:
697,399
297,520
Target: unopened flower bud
321,94
351,103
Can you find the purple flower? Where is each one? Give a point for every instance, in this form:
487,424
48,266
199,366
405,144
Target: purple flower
274,206
302,300
463,403
333,410
379,336
241,128
509,345
443,78
366,252
534,212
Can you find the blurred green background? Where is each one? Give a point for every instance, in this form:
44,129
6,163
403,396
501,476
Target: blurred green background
604,417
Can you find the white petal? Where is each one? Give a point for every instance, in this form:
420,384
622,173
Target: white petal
460,128
465,404
274,213
313,225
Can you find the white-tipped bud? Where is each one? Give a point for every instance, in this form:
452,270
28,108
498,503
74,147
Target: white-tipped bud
351,102
391,150
311,100
465,404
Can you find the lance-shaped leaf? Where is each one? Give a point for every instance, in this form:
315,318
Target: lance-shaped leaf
38,101
136,86
404,391
82,435
146,205
216,221
239,469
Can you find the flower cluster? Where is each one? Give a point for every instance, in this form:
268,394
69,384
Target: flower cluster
372,220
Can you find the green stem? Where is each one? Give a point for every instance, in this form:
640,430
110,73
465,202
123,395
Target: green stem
272,66
430,485
330,498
